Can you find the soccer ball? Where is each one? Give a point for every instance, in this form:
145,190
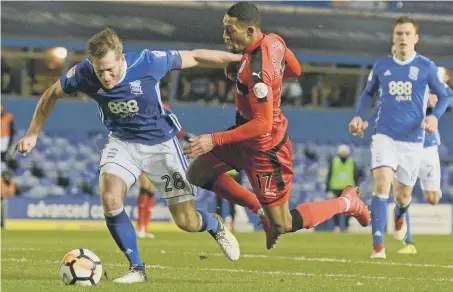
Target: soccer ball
81,267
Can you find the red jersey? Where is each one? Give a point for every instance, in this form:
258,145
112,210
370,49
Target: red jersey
261,123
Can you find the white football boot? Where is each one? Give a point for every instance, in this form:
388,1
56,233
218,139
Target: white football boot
226,240
136,274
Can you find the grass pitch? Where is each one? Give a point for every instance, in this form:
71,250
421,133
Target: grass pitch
193,262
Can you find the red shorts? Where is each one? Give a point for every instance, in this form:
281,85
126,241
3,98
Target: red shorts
269,172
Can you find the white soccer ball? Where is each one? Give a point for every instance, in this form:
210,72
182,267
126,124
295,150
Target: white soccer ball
81,267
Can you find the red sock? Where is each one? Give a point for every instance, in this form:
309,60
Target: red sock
142,206
314,213
227,188
148,209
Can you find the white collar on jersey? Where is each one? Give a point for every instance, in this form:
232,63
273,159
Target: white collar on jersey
124,73
397,61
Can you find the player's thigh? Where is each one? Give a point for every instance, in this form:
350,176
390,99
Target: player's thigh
384,161
145,183
113,189
409,158
383,152
166,167
382,180
205,169
270,174
280,217
430,173
118,171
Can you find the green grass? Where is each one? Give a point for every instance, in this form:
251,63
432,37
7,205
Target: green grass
300,262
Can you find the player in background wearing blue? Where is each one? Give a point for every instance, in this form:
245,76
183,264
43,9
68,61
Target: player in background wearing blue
142,138
396,146
429,175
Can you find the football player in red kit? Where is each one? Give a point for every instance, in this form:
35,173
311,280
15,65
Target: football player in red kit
259,144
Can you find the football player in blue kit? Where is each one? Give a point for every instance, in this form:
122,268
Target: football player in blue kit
142,136
403,81
429,175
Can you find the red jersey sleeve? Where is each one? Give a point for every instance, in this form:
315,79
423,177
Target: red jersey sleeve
292,68
260,95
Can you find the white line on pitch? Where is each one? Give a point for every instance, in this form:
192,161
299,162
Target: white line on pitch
283,273
331,260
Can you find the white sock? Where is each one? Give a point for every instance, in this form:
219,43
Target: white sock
201,221
114,213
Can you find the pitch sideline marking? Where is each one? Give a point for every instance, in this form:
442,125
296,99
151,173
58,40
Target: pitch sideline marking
284,273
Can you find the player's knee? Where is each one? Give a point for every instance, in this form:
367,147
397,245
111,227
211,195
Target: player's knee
111,201
381,185
432,197
402,198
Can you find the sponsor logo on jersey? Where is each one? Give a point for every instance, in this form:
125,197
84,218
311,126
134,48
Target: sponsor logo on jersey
388,73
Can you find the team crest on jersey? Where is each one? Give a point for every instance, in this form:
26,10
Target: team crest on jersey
136,87
413,73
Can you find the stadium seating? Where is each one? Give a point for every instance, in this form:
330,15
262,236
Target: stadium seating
67,165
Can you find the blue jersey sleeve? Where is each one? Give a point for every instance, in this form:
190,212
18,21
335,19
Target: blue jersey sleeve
367,96
439,88
162,62
72,80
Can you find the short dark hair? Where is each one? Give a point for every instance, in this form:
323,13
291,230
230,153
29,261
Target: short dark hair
245,12
406,19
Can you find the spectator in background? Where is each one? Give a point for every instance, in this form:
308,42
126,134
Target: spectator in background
291,93
8,190
213,94
342,172
199,88
7,132
237,176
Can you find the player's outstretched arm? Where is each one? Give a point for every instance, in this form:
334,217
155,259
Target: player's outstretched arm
292,68
207,58
43,110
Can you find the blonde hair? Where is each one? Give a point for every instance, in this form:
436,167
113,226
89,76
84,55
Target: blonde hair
103,42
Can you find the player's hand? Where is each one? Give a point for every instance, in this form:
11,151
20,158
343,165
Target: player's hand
430,124
357,126
26,144
199,146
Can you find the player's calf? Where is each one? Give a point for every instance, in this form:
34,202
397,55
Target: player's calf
185,216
